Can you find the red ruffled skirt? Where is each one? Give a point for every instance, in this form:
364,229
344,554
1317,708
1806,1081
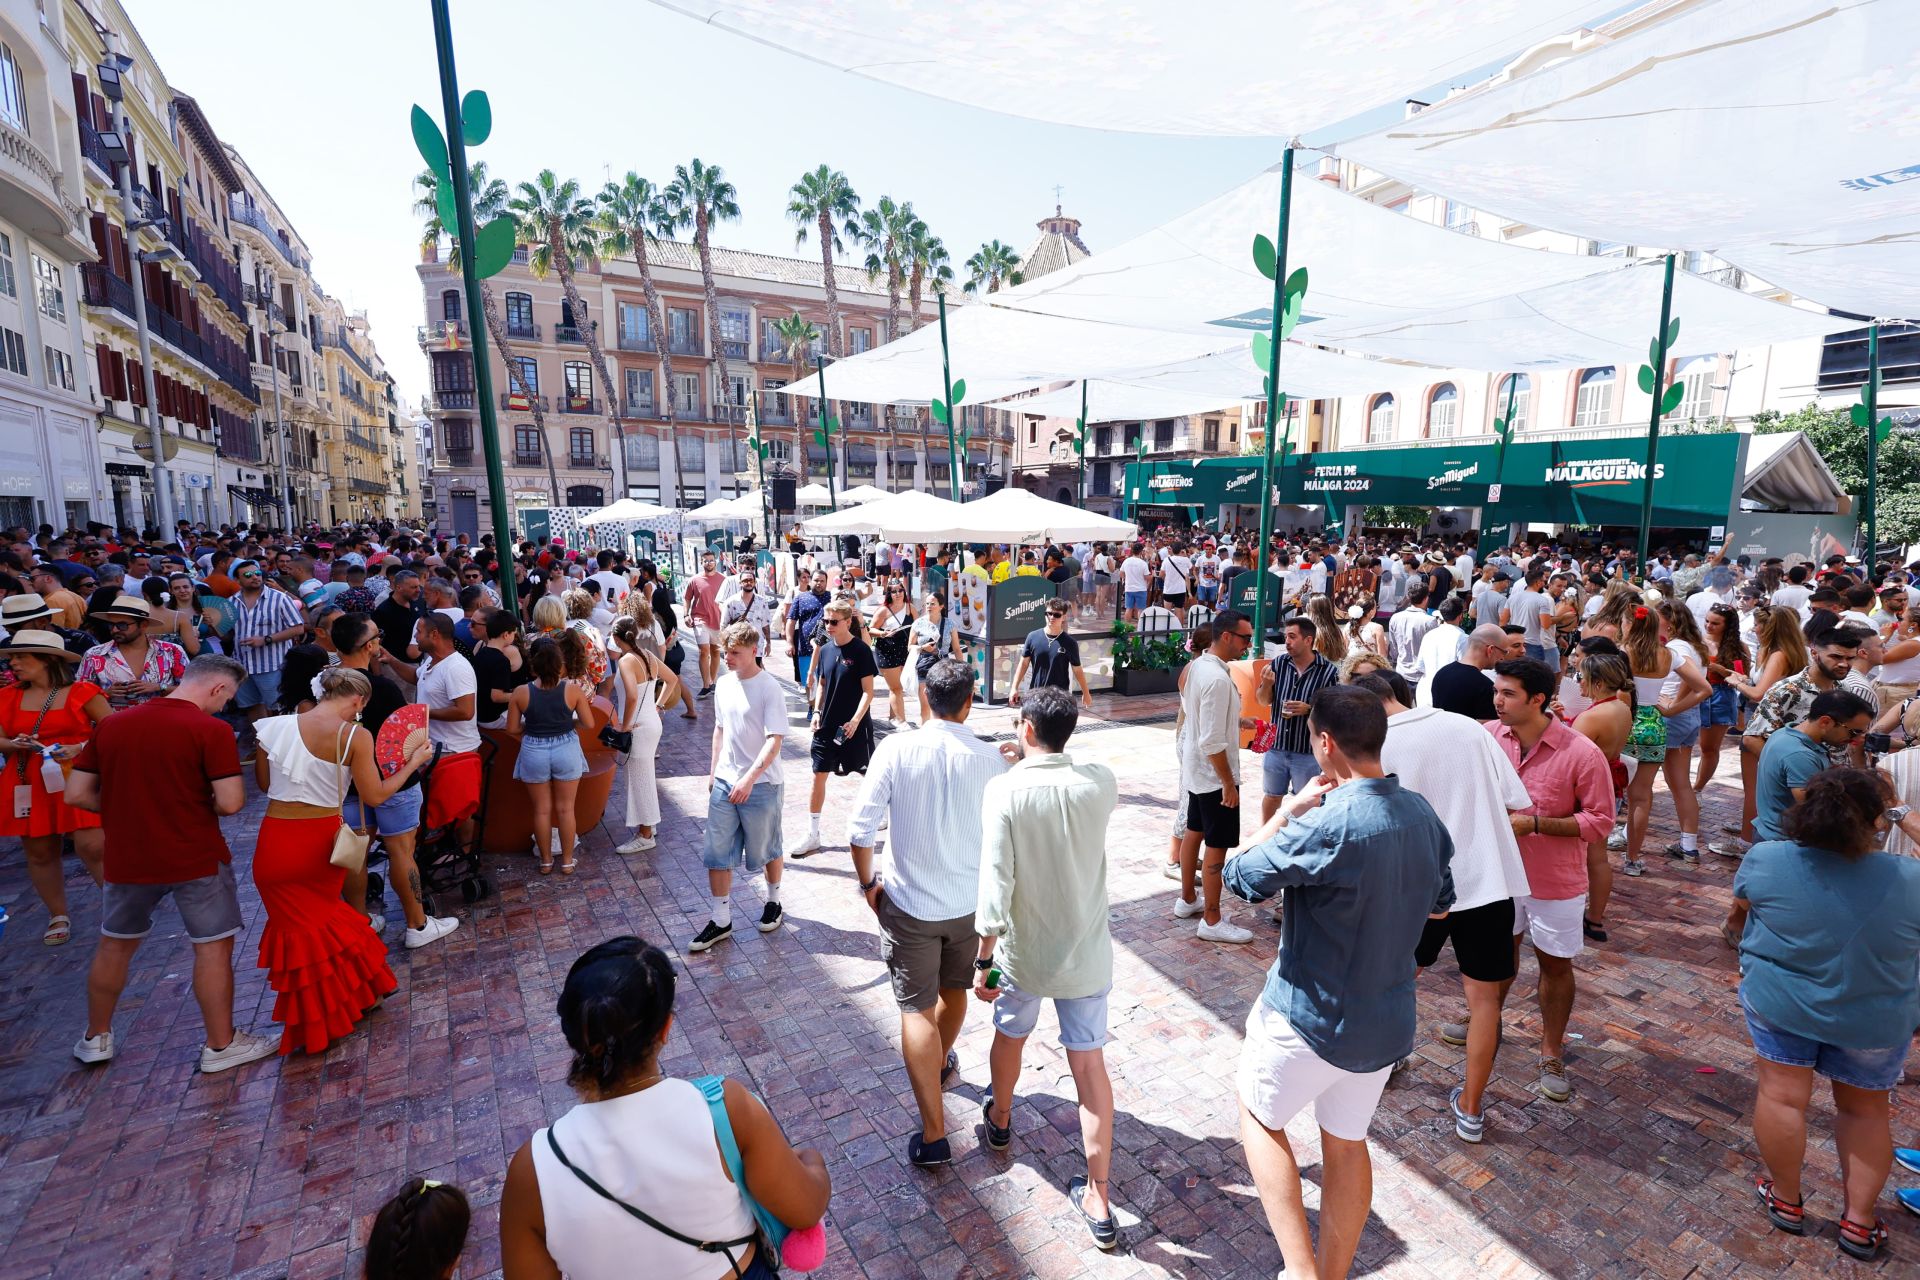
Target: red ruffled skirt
328,968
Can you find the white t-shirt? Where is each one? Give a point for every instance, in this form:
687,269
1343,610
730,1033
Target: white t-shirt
1683,653
1438,648
1175,570
1530,609
441,684
613,586
1792,597
1461,771
1133,573
1700,601
1462,568
749,712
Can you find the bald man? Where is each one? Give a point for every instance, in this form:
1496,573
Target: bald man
1466,686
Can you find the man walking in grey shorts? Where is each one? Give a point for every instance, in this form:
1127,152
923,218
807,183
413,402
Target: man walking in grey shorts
161,812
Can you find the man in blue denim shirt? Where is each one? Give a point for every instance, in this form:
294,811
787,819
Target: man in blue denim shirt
1363,864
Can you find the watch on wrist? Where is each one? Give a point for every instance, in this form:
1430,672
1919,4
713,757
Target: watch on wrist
981,965
1898,813
866,886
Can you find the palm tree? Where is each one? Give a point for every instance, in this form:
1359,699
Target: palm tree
633,215
797,336
884,231
824,201
927,260
699,196
489,199
994,265
557,224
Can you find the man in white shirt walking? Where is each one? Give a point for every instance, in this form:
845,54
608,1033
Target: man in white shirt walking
1042,920
743,784
1134,574
1442,643
1176,567
928,785
1210,775
1407,628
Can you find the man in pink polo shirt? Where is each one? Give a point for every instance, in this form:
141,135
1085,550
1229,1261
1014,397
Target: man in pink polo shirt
1571,787
703,618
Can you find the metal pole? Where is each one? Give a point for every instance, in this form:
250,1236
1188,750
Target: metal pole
1653,423
1873,447
826,432
1080,485
946,374
476,313
129,214
1487,545
1275,403
282,432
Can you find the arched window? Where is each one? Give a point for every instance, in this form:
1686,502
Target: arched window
1443,412
520,315
450,304
580,446
1380,420
1696,375
1591,404
1520,387
579,376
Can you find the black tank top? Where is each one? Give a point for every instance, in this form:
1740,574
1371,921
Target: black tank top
548,715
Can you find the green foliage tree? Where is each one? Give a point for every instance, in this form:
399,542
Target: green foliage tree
1844,447
1397,517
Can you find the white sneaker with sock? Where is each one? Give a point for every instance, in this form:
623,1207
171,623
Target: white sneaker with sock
1225,931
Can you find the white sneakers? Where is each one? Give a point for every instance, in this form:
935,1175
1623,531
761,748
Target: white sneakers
376,922
92,1049
245,1047
436,928
1225,931
639,844
808,844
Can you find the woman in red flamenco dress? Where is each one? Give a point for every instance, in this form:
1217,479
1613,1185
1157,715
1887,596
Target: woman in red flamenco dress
327,967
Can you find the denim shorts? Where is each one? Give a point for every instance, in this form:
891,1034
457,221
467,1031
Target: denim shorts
260,689
1876,1070
1136,599
1284,772
397,815
1683,730
748,832
556,759
1548,653
1083,1020
1723,707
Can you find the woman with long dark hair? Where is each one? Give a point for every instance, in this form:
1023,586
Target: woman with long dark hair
1782,652
1726,656
551,763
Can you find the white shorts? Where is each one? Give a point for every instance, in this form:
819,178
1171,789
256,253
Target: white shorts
703,635
1551,924
1280,1074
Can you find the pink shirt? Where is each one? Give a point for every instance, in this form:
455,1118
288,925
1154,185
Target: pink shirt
1566,776
703,597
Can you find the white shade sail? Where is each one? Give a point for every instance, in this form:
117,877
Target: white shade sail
1217,381
1260,68
897,517
739,508
1782,135
861,493
1607,319
812,495
1015,515
627,509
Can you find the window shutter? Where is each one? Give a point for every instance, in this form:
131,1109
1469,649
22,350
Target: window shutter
102,118
136,384
102,243
103,368
119,376
83,108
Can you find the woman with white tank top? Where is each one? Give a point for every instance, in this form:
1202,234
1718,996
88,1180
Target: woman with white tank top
643,1141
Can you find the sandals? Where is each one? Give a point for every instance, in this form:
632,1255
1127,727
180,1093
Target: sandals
1789,1215
546,866
59,930
1860,1240
567,866
1593,929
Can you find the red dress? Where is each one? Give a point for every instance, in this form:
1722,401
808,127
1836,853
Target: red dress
327,967
68,725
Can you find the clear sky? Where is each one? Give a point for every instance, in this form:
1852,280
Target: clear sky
316,98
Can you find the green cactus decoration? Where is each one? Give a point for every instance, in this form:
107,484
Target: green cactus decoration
1862,415
494,243
1657,352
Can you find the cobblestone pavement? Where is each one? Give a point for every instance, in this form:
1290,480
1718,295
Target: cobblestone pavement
143,1168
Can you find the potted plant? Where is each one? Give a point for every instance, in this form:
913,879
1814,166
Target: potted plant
1146,662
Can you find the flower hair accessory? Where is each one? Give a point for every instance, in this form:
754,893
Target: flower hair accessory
1639,615
319,693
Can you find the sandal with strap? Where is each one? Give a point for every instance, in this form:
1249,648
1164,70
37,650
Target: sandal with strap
1785,1215
1858,1240
59,929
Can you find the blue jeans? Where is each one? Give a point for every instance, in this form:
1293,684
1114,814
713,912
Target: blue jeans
1876,1070
556,759
1136,600
1285,772
802,663
1547,653
748,832
1723,707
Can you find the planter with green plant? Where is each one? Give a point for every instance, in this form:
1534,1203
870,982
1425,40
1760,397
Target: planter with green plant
1147,662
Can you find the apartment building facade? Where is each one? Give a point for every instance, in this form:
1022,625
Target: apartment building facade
703,455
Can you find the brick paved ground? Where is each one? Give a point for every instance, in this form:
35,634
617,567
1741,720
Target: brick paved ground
143,1168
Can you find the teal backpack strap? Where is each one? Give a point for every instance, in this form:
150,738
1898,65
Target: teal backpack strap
714,1089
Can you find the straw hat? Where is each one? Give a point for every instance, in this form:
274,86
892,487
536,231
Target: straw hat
44,644
23,608
125,608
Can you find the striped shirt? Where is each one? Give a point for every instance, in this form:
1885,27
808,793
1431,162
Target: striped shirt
1290,684
273,611
929,785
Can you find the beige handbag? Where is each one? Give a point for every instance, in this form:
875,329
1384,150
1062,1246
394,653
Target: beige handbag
349,845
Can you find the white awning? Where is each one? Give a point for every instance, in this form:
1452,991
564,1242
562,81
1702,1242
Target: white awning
1015,515
1218,381
912,512
863,492
1786,472
1255,68
628,510
1782,135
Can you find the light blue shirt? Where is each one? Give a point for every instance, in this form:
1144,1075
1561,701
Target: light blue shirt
1788,762
1832,944
1360,874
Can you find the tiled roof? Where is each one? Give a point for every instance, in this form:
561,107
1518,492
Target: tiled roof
1050,252
766,266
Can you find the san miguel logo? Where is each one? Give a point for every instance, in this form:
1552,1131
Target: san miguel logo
1602,471
1024,607
1458,475
1240,481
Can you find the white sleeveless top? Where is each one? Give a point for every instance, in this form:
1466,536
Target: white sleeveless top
656,1150
296,773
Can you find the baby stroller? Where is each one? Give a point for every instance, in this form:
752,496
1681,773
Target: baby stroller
444,863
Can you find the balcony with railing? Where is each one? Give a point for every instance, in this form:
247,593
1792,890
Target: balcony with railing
578,404
732,349
459,399
527,458
639,408
441,333
248,214
685,346
521,403
572,333
361,485
93,150
636,341
339,339
586,461
521,329
361,440
459,457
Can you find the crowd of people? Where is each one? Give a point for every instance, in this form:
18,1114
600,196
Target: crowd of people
1454,747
